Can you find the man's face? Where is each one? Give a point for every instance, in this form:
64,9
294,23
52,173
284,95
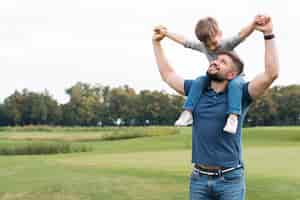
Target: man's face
221,69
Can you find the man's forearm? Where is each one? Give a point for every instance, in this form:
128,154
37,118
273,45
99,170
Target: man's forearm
264,80
163,65
167,73
271,59
176,38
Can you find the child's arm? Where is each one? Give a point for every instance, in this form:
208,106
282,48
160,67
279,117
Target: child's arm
199,46
176,37
259,19
246,31
234,41
195,45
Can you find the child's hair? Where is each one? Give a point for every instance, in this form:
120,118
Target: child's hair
206,29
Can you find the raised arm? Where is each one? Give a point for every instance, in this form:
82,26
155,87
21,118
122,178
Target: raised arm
176,37
195,45
233,42
166,71
173,36
247,30
263,81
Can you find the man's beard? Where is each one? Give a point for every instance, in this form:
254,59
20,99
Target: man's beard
215,77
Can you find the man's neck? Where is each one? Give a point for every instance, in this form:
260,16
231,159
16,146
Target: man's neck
218,86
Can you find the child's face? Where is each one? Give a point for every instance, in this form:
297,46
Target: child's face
215,40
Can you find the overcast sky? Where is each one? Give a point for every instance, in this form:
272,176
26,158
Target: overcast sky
52,44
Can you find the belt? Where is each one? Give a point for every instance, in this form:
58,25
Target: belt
215,172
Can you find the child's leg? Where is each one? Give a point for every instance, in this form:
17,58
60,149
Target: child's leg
197,87
195,92
235,91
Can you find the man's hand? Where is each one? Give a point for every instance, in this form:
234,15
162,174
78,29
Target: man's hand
261,19
159,33
161,30
157,37
264,24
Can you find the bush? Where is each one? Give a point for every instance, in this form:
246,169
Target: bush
46,128
38,148
128,133
93,134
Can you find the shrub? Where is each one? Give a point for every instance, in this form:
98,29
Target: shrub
38,148
112,133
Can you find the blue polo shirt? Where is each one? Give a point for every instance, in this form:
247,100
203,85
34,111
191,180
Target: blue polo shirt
210,144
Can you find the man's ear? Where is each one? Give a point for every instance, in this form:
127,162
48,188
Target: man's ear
232,75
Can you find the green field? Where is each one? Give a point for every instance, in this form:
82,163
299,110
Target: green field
143,168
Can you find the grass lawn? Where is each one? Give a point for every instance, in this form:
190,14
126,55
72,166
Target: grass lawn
145,168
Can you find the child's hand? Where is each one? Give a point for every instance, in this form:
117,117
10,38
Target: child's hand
157,37
264,24
261,20
160,30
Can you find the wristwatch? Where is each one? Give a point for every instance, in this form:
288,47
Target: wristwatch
269,37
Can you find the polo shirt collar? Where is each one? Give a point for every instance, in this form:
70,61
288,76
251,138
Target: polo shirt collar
209,89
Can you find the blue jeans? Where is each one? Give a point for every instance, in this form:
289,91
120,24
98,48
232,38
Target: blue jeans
235,91
229,186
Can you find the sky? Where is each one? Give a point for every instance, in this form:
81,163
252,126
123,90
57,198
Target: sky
54,44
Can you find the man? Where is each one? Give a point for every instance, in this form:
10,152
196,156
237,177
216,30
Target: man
217,156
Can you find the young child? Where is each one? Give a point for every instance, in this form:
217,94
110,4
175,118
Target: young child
210,43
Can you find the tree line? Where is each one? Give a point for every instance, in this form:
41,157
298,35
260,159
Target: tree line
279,106
97,105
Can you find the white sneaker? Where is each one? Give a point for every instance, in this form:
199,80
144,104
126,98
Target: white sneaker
185,119
231,125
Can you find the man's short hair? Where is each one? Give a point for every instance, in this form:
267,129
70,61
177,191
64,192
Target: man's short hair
238,63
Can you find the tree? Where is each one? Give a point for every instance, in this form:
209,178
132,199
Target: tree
13,107
23,108
85,102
